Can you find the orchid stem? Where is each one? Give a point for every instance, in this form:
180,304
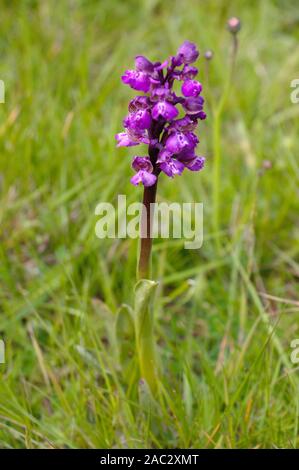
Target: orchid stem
144,265
144,290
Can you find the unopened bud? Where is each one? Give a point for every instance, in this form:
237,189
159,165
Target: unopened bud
234,25
267,165
209,54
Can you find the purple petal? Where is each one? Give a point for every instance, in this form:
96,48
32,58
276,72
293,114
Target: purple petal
189,72
176,61
160,93
158,66
139,120
143,119
144,177
148,179
172,167
202,115
136,179
137,80
176,142
139,136
123,140
196,164
142,64
142,163
191,88
186,155
183,124
139,102
177,75
193,105
164,156
165,110
193,139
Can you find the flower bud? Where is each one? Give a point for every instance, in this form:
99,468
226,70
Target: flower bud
267,165
191,88
209,54
188,52
234,25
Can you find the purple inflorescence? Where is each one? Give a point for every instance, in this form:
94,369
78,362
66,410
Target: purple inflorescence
154,120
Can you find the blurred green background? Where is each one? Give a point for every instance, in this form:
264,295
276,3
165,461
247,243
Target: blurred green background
225,314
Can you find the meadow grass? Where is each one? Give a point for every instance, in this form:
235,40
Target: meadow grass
224,344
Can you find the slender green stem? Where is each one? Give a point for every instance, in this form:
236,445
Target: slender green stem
216,172
144,265
217,141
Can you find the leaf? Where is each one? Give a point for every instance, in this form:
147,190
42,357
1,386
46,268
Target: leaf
144,327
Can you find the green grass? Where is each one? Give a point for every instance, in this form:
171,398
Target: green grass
227,379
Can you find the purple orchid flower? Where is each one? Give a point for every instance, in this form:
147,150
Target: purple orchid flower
154,119
144,169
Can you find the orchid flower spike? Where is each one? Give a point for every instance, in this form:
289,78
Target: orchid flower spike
154,119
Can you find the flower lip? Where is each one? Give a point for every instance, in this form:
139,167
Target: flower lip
177,141
172,167
169,165
144,169
144,177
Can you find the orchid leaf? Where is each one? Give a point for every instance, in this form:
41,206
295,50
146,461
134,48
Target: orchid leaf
144,328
